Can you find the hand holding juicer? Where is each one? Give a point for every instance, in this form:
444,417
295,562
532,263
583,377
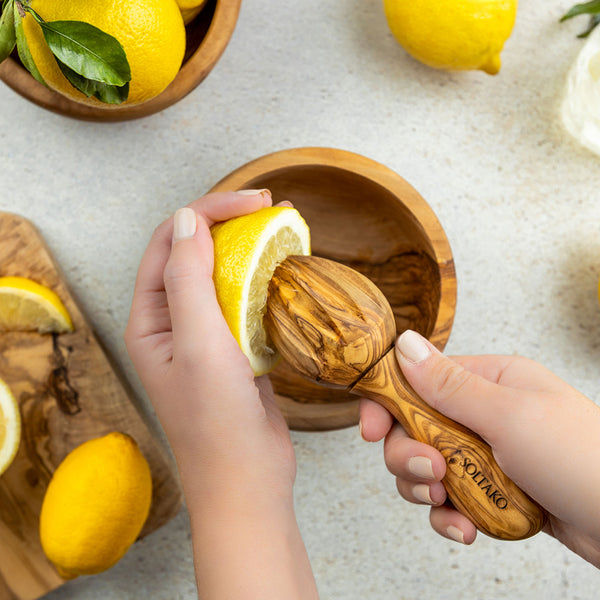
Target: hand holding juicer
335,327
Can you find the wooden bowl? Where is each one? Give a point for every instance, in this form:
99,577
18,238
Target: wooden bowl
366,216
207,36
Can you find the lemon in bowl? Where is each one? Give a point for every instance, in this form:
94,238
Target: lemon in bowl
458,35
247,251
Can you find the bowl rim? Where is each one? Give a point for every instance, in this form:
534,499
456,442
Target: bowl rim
309,417
192,72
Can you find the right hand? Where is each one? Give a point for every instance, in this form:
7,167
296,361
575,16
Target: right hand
544,434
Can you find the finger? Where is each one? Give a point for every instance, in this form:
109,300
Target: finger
481,405
221,206
148,312
411,460
433,494
200,333
375,421
451,524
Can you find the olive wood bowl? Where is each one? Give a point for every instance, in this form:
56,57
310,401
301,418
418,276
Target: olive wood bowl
207,37
366,216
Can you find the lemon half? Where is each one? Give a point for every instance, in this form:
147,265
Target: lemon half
26,306
247,251
10,427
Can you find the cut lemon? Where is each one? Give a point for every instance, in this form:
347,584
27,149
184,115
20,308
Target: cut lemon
26,306
10,427
247,251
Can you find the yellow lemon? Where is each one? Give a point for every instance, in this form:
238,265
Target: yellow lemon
95,506
247,251
457,35
10,427
190,9
151,33
25,305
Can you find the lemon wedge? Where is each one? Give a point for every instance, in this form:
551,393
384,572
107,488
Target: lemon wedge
247,251
26,306
10,427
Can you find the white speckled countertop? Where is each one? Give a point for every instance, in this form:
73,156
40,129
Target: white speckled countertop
518,198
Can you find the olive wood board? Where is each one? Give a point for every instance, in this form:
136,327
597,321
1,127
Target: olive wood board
69,391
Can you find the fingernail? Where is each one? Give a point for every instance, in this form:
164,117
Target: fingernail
265,194
455,534
185,224
286,203
360,428
412,346
421,493
421,466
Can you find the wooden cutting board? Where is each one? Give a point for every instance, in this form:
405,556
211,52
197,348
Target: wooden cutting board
68,391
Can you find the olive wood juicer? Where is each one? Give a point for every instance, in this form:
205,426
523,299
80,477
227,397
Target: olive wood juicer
335,327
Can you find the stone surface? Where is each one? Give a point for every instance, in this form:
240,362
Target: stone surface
518,198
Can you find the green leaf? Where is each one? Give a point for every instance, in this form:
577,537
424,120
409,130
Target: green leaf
23,48
8,37
86,50
587,8
110,94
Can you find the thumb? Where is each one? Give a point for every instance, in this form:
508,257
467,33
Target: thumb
481,405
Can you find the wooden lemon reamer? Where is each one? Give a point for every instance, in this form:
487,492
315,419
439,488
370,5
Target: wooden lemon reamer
335,327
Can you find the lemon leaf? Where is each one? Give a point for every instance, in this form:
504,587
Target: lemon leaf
87,50
587,8
8,37
23,47
110,94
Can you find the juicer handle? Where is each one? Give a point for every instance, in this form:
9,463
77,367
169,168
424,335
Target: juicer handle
474,482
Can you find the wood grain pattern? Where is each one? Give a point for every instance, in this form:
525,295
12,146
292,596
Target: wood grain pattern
68,392
366,216
207,37
333,326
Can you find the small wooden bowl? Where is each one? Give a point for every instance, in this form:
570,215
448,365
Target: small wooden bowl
207,37
366,216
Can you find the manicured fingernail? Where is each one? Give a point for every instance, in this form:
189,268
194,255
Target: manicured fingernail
421,493
455,534
412,346
286,203
421,467
185,224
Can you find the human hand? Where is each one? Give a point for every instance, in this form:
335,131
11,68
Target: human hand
230,441
543,433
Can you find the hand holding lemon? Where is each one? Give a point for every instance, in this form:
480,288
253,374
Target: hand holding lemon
231,443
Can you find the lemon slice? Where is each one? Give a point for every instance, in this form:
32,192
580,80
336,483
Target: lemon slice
26,306
10,427
247,251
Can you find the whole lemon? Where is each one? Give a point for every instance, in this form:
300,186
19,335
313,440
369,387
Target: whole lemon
95,506
151,32
457,35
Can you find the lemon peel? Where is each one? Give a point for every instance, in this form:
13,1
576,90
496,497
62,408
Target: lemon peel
458,35
247,251
151,32
95,505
